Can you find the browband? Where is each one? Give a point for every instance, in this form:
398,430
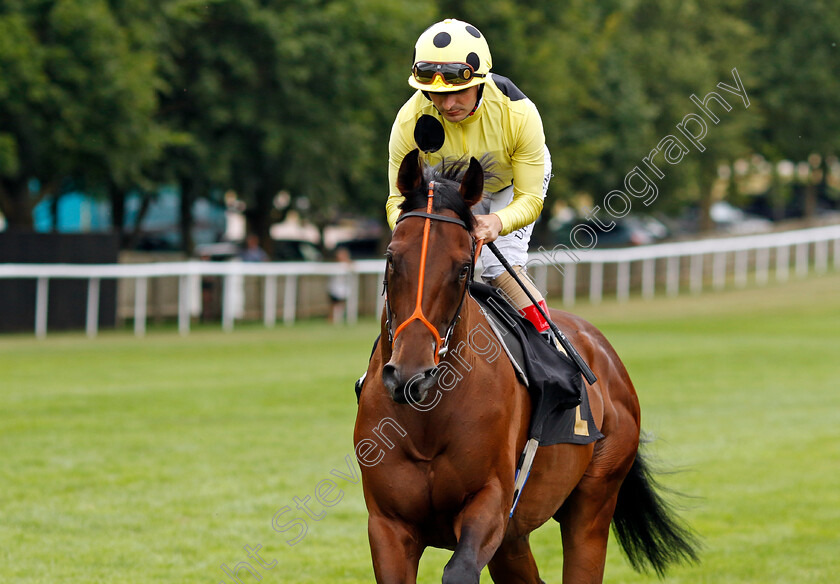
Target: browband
432,216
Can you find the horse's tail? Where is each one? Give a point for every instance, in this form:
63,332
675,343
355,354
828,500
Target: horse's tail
646,526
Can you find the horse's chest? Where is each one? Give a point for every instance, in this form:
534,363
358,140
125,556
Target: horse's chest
444,497
442,489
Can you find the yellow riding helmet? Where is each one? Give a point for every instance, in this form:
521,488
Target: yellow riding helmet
440,53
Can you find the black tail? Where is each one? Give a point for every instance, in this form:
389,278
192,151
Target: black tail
647,527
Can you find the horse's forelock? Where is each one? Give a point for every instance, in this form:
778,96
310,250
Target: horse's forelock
447,176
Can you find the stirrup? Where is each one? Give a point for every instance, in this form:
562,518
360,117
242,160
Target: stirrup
549,337
553,341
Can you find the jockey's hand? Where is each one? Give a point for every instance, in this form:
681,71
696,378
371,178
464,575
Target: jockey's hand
487,227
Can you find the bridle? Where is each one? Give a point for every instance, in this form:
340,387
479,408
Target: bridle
441,343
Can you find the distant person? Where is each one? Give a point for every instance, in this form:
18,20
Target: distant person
338,288
253,252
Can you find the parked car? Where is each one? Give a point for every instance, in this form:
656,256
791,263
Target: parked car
296,250
627,231
221,251
725,218
362,248
731,219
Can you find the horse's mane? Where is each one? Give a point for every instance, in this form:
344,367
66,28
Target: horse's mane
447,176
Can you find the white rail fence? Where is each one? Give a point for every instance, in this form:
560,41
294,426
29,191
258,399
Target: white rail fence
575,272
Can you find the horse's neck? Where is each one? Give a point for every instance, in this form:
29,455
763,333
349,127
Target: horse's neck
473,387
472,323
472,351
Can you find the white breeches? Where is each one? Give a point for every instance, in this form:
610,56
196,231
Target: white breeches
513,246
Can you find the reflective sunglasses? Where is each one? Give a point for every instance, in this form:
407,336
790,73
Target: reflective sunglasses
452,73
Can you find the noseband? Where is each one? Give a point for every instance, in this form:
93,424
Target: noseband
441,343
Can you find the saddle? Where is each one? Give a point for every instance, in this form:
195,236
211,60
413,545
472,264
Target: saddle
561,412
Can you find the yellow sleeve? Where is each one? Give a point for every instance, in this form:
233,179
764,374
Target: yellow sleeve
399,145
528,162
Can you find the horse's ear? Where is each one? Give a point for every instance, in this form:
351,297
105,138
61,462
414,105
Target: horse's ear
410,175
472,185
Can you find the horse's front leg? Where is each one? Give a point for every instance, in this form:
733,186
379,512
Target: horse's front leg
479,529
395,549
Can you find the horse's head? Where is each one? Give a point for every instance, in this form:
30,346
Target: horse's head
429,266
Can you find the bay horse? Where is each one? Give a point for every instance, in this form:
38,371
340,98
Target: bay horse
440,425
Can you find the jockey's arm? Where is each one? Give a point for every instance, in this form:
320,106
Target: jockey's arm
528,165
398,147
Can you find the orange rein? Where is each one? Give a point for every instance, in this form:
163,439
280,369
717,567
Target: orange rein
441,343
478,244
418,308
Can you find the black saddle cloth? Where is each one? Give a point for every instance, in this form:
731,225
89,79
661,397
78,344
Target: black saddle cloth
554,381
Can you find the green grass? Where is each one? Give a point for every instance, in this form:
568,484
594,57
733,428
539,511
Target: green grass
158,459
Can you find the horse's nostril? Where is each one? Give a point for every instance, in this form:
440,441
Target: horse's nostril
428,380
408,390
390,377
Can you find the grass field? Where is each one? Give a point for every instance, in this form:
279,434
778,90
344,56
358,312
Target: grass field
158,459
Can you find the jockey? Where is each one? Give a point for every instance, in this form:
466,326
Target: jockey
461,109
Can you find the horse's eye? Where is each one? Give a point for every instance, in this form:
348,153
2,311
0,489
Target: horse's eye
465,271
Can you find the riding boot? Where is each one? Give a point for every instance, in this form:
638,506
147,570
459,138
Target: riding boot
517,298
533,314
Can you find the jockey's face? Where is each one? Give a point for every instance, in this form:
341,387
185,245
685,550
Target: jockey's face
455,105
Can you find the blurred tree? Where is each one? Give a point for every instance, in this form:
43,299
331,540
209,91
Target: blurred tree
676,49
77,95
290,95
356,57
261,96
213,96
612,78
798,70
147,24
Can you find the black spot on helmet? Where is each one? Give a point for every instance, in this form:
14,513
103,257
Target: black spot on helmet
442,39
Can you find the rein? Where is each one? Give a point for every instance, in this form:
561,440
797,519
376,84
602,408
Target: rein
441,343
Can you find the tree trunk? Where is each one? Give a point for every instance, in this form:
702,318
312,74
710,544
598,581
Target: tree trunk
706,181
54,212
134,237
822,192
116,196
322,225
809,208
188,196
16,205
259,216
777,196
705,223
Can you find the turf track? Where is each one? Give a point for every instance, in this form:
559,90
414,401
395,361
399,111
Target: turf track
158,459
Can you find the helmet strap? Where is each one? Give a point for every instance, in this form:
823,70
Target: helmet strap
478,97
